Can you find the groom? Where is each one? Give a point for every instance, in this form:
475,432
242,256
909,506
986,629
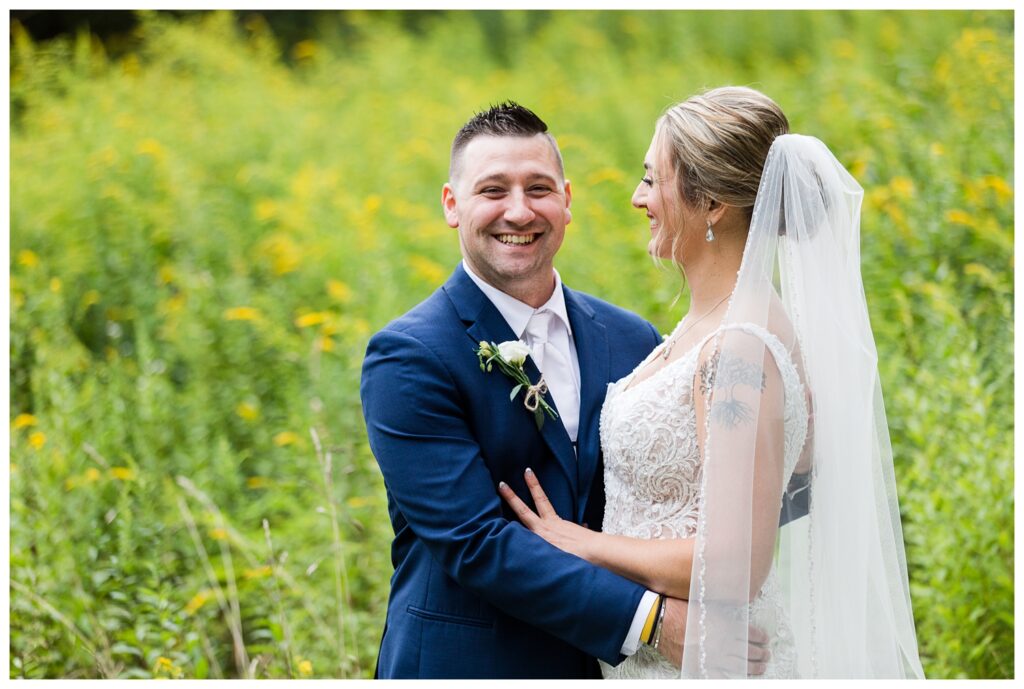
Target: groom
474,593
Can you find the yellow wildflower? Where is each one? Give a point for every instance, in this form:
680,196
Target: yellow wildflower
37,439
22,420
305,668
937,149
92,475
242,313
902,187
248,411
28,258
997,184
197,601
304,50
218,534
55,285
266,209
151,147
339,291
162,663
257,482
325,344
286,438
122,473
606,174
257,572
312,318
426,269
372,203
844,49
358,501
960,217
89,298
165,274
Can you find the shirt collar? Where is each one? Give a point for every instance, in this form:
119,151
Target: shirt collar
516,313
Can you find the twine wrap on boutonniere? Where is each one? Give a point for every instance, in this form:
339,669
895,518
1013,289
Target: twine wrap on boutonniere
510,357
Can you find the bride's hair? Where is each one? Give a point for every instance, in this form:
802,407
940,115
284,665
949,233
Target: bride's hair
716,143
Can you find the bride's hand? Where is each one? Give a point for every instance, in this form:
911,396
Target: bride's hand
546,523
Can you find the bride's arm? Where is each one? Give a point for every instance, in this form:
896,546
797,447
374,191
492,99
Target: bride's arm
661,565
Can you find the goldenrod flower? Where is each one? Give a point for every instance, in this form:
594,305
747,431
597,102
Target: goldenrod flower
197,601
22,420
36,440
165,274
358,501
242,313
151,147
257,482
257,572
28,258
218,534
339,291
55,285
960,217
122,473
248,411
902,187
304,50
305,668
426,269
92,474
266,209
312,318
286,438
372,203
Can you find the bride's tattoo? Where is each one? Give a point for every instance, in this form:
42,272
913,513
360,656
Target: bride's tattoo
724,373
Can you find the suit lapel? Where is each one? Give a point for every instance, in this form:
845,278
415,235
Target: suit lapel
485,323
591,340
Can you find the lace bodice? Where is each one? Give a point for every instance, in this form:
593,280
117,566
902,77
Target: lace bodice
652,475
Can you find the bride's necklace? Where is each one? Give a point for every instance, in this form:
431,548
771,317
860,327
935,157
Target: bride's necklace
675,338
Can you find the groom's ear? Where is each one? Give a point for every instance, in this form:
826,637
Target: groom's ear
451,215
568,202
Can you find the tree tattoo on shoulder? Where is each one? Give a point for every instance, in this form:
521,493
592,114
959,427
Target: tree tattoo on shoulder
724,373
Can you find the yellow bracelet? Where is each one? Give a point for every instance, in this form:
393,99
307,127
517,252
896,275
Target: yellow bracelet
652,616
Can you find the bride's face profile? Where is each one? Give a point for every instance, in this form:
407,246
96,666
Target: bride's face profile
668,214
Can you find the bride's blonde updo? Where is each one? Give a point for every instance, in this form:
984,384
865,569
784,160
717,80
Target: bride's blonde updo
717,143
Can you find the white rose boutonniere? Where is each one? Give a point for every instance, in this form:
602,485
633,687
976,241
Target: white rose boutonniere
510,357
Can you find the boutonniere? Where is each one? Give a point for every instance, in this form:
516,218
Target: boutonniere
510,357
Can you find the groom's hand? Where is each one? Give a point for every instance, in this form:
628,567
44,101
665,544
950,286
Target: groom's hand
673,633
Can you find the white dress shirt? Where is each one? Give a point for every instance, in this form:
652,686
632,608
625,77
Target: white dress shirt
518,314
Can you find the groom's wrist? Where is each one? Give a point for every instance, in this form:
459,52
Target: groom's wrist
643,610
654,617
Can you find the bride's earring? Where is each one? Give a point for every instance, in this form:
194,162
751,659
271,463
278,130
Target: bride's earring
710,236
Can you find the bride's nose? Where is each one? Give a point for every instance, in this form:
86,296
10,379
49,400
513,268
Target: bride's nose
639,199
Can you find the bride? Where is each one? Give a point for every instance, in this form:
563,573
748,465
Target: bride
768,385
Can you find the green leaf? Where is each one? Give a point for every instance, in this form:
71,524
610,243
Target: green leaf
538,417
515,391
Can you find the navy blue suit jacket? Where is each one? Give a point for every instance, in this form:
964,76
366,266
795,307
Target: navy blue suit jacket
474,593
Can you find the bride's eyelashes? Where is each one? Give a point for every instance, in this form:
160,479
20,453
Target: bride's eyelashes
648,181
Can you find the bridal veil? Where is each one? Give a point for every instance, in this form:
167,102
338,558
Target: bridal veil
841,568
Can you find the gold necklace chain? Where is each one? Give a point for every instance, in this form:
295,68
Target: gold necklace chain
675,338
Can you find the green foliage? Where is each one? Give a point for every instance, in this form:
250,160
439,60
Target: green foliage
205,232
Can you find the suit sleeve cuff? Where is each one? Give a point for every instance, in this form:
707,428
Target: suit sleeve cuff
632,642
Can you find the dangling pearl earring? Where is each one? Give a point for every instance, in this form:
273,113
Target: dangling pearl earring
710,236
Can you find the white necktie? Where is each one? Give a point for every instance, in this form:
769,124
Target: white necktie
557,370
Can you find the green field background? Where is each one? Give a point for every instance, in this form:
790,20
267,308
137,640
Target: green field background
207,226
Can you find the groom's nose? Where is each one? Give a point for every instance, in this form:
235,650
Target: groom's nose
518,211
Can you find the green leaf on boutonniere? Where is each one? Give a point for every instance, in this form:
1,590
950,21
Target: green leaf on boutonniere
515,391
538,418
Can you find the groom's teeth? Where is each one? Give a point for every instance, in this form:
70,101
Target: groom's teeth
516,238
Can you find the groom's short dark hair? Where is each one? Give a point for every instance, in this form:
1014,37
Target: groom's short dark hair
504,119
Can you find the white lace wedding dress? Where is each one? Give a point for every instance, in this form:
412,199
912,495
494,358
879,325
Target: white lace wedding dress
652,476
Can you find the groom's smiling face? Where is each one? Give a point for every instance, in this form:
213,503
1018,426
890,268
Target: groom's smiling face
510,203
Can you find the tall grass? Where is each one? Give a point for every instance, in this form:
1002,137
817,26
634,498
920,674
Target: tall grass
205,231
